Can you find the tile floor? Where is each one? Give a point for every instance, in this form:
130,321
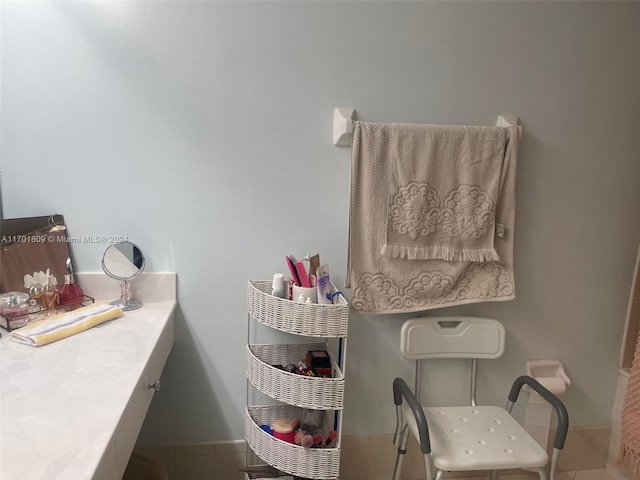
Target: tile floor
222,462
588,475
600,474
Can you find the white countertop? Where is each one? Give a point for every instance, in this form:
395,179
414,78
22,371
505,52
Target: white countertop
60,404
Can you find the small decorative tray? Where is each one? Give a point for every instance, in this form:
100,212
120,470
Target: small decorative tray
17,321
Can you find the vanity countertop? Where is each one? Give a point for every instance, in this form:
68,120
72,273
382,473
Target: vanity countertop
62,404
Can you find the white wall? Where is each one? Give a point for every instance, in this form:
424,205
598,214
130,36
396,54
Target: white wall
202,131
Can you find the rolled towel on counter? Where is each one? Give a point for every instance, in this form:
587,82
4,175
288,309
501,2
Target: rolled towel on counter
64,325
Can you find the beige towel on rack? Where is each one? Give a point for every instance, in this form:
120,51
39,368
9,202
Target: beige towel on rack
383,284
444,182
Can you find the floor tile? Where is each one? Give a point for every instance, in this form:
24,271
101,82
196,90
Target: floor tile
599,474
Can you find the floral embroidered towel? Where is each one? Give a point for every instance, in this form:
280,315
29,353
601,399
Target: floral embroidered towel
383,284
444,184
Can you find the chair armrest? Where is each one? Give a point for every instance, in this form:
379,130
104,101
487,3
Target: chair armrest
401,389
556,403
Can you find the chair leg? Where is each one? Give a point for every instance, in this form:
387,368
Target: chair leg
429,469
402,450
542,473
554,463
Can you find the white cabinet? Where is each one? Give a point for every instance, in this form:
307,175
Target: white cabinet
318,327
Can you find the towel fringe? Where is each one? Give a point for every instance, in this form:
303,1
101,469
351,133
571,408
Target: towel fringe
439,252
629,460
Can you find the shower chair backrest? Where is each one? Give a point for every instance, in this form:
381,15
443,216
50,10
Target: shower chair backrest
451,337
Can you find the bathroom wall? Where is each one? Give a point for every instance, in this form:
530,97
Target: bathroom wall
633,321
202,131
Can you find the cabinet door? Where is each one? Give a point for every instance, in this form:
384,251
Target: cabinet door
133,417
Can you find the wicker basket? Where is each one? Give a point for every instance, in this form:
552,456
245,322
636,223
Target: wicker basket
320,463
299,390
312,320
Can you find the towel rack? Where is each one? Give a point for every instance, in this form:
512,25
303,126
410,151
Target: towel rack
343,118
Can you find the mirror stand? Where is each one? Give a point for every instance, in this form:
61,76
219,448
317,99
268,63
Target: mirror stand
126,303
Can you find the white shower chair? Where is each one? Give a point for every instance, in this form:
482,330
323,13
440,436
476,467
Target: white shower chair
469,437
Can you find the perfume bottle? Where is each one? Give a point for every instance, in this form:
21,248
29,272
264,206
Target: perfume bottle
35,296
70,291
49,298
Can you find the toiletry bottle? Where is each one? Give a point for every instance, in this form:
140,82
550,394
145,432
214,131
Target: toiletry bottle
70,292
49,298
35,297
277,285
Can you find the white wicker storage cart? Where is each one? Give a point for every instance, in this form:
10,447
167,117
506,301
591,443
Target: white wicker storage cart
318,327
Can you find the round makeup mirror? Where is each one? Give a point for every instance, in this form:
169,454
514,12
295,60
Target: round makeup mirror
124,261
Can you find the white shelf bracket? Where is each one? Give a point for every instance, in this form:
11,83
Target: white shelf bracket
342,126
509,121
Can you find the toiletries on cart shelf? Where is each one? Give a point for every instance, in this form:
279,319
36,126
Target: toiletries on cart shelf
302,294
298,271
277,286
324,285
291,263
314,263
315,364
306,431
307,285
